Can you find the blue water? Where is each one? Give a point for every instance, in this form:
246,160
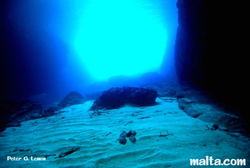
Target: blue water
52,47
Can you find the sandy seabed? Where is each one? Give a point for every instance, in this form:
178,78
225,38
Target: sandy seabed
166,137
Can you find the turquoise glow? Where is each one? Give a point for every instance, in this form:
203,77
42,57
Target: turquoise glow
120,37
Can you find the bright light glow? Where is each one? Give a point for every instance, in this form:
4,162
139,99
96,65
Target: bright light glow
120,37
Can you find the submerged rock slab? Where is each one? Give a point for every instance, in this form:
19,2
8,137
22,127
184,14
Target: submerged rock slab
72,98
118,97
200,107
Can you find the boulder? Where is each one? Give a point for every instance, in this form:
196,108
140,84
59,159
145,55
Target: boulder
118,97
132,138
131,133
71,99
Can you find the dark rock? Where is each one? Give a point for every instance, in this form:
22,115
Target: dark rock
210,113
180,94
50,111
122,140
117,97
189,107
14,111
132,138
71,99
123,134
130,133
214,127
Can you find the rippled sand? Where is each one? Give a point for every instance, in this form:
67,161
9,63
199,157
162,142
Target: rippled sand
95,137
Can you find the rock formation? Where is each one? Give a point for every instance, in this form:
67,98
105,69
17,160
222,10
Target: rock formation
117,97
71,98
14,111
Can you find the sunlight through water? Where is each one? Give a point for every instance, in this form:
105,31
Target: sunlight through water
125,37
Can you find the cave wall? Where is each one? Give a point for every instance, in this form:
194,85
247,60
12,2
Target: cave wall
210,53
191,42
30,57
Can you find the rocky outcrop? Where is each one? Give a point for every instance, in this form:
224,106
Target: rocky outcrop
14,111
201,105
71,98
211,113
117,97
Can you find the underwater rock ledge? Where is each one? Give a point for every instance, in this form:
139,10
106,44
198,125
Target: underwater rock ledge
198,104
117,97
14,111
